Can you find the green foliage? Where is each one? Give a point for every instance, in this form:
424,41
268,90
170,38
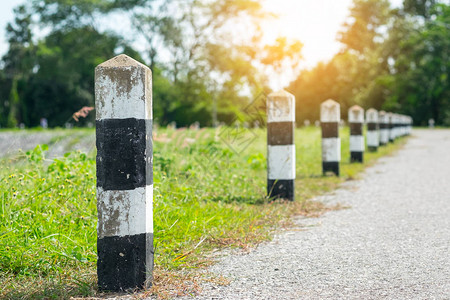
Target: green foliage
48,215
421,87
393,60
419,7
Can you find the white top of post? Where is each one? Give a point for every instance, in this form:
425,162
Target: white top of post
123,89
372,115
281,107
356,114
330,111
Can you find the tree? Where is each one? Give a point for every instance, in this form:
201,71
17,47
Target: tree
18,65
420,82
421,8
64,80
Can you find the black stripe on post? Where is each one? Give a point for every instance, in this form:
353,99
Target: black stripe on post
356,128
280,133
124,175
128,269
121,154
332,167
284,189
372,126
330,129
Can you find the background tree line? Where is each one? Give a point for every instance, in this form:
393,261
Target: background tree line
391,59
209,60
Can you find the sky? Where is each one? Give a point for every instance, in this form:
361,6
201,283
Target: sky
6,15
313,22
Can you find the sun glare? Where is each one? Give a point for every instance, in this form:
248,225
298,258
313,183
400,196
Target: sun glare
312,22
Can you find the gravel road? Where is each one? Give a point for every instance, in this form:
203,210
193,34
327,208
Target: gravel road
59,141
393,243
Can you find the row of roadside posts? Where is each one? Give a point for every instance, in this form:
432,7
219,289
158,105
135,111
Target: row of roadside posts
123,102
382,128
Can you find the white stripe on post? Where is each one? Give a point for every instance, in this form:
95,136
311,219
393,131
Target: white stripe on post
330,117
356,124
123,101
373,137
280,145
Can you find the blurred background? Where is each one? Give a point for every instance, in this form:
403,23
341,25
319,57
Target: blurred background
211,58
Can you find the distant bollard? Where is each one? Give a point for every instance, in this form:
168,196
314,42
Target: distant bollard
373,134
410,125
123,101
384,128
396,126
280,145
390,118
330,117
431,123
356,123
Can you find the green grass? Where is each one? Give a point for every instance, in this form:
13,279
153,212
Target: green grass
209,193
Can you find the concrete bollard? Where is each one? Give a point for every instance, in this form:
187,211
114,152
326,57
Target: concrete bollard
373,134
396,126
280,145
390,121
123,101
384,128
356,123
330,117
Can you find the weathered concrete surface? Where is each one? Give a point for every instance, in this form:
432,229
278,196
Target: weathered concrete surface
393,243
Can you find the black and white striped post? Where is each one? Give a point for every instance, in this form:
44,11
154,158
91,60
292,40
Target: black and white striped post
281,147
391,122
123,102
330,117
356,123
384,128
395,125
373,135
